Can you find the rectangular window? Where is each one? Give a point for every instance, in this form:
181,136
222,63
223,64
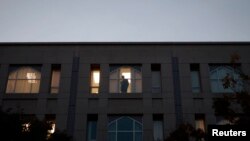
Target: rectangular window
55,78
195,78
95,79
158,127
218,73
92,127
156,78
24,79
200,122
125,79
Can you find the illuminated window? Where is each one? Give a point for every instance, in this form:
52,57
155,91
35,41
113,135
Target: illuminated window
125,128
95,79
125,79
195,78
200,122
55,78
24,79
156,78
218,73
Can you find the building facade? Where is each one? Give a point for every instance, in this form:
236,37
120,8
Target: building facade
79,86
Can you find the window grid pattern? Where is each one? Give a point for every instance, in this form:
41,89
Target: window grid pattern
218,73
116,133
132,73
24,79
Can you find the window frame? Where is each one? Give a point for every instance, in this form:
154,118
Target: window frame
156,69
132,80
233,71
94,67
15,69
195,68
55,67
133,131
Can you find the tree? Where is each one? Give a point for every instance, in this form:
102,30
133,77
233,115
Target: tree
234,107
186,131
10,126
12,129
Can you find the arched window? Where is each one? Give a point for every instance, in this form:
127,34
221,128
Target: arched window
132,73
24,79
125,129
218,73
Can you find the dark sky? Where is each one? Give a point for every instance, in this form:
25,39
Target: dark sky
124,20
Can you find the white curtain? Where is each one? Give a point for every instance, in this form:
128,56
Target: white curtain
158,130
24,80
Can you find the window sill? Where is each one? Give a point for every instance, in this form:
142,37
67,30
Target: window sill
20,96
52,96
157,95
125,95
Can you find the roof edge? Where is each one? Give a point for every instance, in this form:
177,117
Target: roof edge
132,43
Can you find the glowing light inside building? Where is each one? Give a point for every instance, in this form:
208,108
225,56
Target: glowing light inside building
127,75
96,76
31,77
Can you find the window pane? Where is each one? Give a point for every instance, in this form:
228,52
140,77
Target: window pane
10,86
92,128
94,90
55,78
28,73
13,75
195,79
138,127
112,127
158,130
111,136
138,86
125,124
214,86
23,86
35,87
213,74
138,136
114,75
137,75
200,124
22,72
95,78
125,136
156,79
113,86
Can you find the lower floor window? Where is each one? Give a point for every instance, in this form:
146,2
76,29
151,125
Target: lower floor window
125,128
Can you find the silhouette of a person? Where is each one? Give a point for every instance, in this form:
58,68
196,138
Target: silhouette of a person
124,85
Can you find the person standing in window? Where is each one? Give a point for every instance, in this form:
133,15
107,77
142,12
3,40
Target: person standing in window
124,85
